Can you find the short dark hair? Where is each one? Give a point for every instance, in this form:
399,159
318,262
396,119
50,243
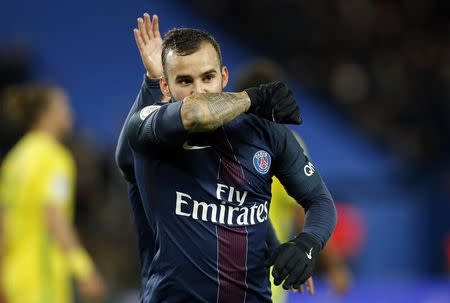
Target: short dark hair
186,41
23,104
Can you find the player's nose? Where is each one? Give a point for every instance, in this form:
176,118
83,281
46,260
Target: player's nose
200,89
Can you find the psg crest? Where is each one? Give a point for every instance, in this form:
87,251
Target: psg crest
261,161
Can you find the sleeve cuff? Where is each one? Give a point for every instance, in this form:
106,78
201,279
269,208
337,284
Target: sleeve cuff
151,82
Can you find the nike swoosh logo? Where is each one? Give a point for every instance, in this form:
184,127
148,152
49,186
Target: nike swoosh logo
186,146
309,255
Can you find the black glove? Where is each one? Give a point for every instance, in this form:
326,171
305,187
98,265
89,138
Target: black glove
275,102
294,261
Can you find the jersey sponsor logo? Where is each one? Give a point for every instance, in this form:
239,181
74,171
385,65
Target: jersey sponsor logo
187,146
309,169
228,209
147,111
261,162
221,213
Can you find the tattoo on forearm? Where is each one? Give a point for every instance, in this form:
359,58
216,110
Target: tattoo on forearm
215,109
226,105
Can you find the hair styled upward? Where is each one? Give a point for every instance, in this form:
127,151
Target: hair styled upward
23,104
186,41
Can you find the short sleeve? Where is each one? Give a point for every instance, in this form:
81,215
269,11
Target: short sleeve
56,182
59,187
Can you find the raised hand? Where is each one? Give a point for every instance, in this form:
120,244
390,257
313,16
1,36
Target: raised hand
149,42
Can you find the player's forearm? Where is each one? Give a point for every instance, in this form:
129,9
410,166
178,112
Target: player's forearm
207,112
61,229
169,125
149,94
321,215
156,129
304,183
66,238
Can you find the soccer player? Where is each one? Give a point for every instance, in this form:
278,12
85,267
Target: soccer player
285,214
204,169
149,42
40,250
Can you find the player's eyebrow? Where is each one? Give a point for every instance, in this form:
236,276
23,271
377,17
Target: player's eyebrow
211,71
182,77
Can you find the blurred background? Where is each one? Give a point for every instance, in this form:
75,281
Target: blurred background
373,82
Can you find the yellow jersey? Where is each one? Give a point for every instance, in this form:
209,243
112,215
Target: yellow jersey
282,216
38,171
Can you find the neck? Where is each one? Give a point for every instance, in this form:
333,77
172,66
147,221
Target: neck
46,128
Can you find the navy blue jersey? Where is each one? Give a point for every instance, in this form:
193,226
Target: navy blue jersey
149,94
207,198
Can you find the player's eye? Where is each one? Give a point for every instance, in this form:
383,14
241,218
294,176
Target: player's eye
184,81
208,77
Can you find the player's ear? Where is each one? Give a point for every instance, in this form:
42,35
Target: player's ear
224,76
164,86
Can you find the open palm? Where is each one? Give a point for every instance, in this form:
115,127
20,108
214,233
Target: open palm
149,43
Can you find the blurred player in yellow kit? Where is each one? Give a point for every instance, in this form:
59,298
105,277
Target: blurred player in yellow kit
39,247
286,214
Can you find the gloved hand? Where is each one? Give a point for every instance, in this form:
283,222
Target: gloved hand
275,102
294,261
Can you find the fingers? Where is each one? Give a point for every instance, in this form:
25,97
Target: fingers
148,26
137,36
300,288
283,268
287,113
296,117
155,22
294,276
285,271
147,29
142,30
286,104
152,26
310,286
303,276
